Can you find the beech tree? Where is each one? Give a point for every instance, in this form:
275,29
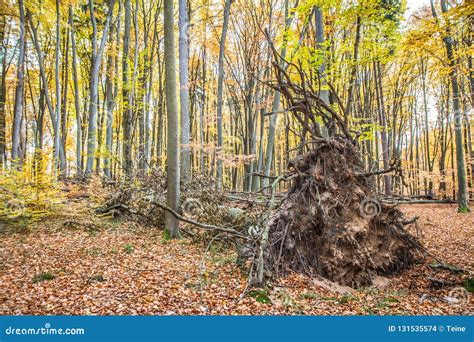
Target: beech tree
18,107
172,148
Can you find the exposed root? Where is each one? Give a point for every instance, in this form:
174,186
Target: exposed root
332,225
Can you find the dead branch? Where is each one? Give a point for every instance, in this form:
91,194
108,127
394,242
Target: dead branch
378,172
202,225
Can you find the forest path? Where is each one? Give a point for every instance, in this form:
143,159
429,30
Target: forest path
78,263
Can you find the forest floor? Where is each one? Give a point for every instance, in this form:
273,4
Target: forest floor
78,263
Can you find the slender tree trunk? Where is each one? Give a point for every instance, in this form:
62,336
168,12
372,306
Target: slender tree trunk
59,162
352,80
136,98
19,90
383,124
64,94
77,103
220,90
443,127
424,70
38,134
126,117
320,40
203,110
172,148
3,65
275,108
97,53
161,100
184,90
111,95
110,104
149,91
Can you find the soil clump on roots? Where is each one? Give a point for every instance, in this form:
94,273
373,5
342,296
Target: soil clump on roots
332,225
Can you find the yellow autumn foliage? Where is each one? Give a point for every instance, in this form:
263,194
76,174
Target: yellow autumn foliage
30,193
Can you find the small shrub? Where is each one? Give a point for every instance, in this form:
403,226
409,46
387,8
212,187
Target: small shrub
347,298
260,296
128,248
469,285
28,194
97,278
43,277
310,295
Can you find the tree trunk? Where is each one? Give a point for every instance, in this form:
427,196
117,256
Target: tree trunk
111,95
220,89
19,90
110,104
352,80
184,90
275,109
320,40
383,124
172,148
79,166
3,64
59,162
424,70
126,117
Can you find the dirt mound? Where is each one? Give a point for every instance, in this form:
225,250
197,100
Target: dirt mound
331,224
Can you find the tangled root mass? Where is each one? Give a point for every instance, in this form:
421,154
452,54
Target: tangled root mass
331,224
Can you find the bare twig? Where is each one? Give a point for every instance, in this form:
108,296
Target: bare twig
201,225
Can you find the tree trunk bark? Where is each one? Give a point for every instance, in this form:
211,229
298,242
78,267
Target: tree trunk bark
79,166
19,90
60,163
172,148
383,124
184,90
220,90
3,65
275,108
126,117
424,70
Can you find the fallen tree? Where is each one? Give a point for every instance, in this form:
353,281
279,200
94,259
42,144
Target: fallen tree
330,223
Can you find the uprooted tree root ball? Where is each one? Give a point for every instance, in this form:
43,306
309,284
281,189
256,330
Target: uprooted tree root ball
330,223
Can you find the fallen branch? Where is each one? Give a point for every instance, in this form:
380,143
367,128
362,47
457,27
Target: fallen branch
201,225
378,172
115,207
439,283
445,266
401,201
413,220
